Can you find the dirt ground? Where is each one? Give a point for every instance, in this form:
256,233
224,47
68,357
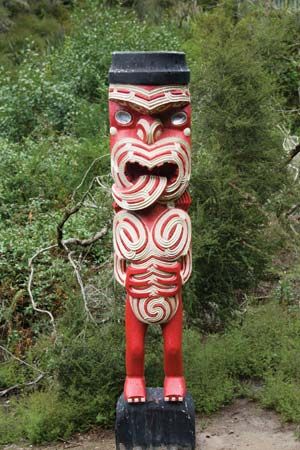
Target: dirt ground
241,426
245,426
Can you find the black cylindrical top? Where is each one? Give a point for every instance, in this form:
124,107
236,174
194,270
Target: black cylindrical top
149,68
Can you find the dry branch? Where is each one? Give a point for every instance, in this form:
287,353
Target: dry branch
86,242
292,209
67,214
21,361
65,243
83,243
29,286
18,387
87,172
79,280
292,154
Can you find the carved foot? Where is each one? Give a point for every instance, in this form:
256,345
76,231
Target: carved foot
135,390
174,389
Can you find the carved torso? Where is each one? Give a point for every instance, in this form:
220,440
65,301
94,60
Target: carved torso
152,251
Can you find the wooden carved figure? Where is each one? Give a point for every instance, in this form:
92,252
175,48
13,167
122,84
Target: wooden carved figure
150,128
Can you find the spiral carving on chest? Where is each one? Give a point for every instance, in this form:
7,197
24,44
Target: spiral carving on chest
172,233
169,238
154,310
130,236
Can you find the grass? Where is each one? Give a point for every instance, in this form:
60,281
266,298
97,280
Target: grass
264,348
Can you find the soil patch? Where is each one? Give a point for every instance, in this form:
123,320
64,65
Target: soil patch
245,426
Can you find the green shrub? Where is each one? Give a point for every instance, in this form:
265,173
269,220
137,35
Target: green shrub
41,23
50,95
274,37
283,396
33,102
86,56
91,372
39,417
265,348
48,169
11,374
10,427
45,417
207,376
238,167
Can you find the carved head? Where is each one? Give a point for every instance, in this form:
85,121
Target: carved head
150,127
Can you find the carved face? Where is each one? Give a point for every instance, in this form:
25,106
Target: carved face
150,143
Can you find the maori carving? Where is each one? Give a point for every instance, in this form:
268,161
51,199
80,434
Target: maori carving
151,165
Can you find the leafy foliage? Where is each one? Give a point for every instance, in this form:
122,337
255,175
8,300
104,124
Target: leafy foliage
41,23
238,166
48,96
43,110
53,125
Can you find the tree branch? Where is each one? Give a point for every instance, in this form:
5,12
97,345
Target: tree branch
87,172
79,280
67,214
18,387
292,154
21,361
64,244
29,286
86,242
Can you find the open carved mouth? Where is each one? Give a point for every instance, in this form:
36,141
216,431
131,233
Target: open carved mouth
133,170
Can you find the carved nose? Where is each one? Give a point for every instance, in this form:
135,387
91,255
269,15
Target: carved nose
149,130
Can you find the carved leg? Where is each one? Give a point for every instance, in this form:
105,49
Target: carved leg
134,389
174,384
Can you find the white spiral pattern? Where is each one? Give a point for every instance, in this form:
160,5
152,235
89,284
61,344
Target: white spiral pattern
120,269
142,194
172,233
130,237
169,238
130,150
154,310
186,266
153,263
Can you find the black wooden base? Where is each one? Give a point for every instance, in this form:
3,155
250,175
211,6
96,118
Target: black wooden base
155,424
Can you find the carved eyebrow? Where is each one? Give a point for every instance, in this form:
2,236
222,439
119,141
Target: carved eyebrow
150,101
161,109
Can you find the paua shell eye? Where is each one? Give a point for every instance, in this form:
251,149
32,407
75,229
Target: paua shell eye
179,118
123,117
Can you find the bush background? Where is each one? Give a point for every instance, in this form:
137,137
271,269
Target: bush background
242,306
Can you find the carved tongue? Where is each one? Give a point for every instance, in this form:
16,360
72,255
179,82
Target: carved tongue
143,193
